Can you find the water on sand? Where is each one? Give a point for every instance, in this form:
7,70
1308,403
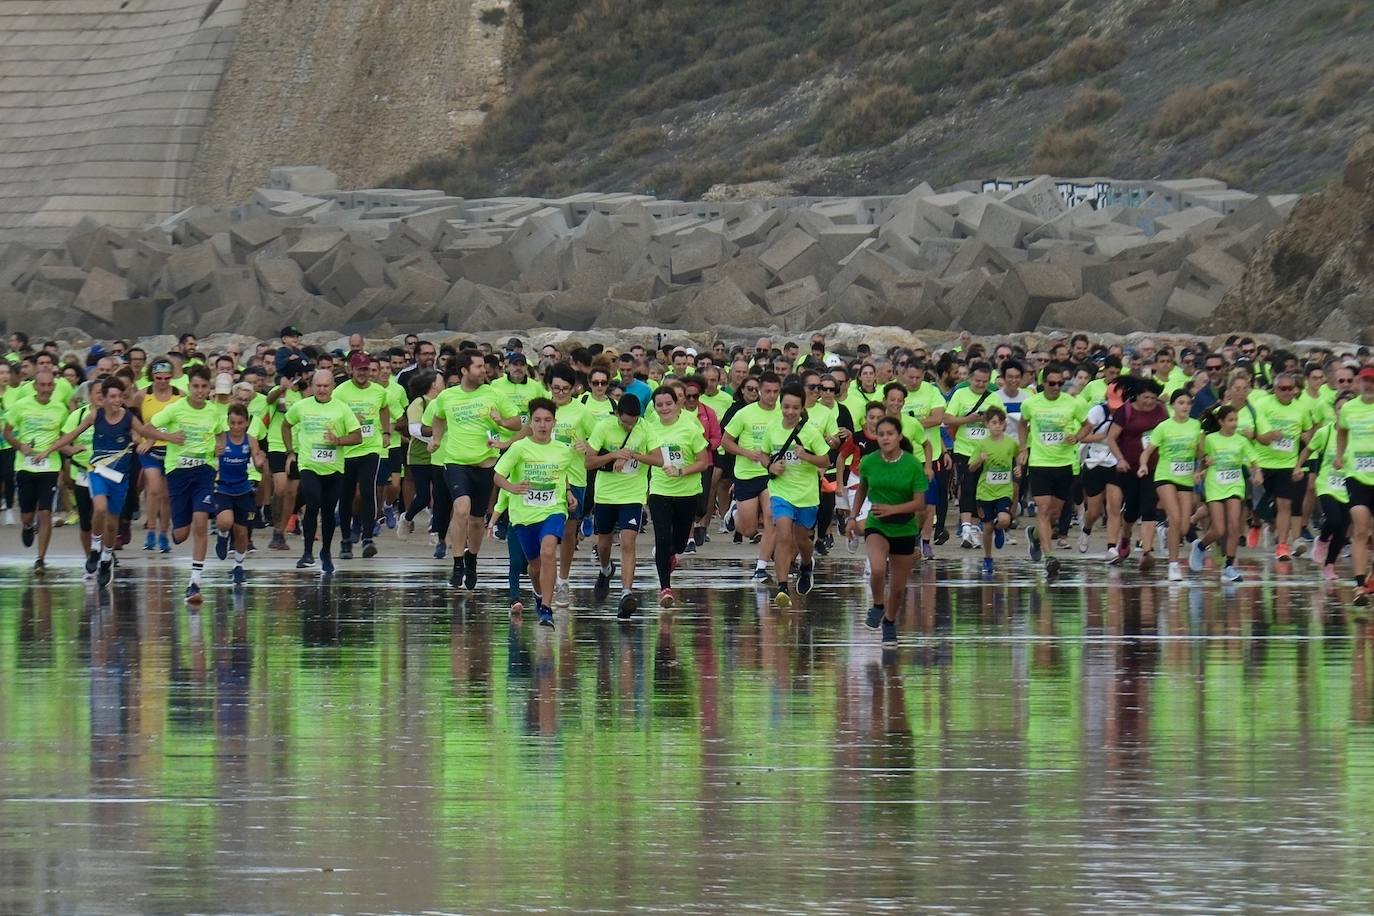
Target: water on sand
382,744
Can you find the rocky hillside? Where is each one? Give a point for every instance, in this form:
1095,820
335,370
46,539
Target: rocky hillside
858,97
1315,275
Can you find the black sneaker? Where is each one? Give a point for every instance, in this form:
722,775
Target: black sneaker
760,574
1033,543
306,561
875,617
941,536
602,588
822,549
26,535
105,573
470,574
1051,567
628,605
345,551
889,632
326,562
804,580
92,561
369,549
39,565
456,580
691,546
222,546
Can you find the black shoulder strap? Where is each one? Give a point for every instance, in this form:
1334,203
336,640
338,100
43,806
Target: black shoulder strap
796,431
978,403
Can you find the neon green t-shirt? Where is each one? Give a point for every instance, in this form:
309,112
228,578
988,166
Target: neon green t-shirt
920,404
518,398
749,427
962,402
1050,424
1357,419
200,426
573,423
628,486
82,457
680,443
799,483
1228,458
1176,444
470,433
367,403
1291,420
277,415
310,420
40,425
1329,482
545,468
995,473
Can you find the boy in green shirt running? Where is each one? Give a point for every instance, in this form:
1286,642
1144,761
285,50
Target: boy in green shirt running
993,460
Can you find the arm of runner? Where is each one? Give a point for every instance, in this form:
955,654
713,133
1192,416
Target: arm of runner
860,495
1113,434
519,489
436,432
1342,438
64,440
386,427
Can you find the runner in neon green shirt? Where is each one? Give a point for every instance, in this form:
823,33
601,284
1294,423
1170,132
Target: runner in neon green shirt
622,485
1281,426
1049,427
1355,456
318,429
799,452
1331,491
572,426
1178,440
994,462
744,437
32,425
1226,454
371,404
964,419
678,452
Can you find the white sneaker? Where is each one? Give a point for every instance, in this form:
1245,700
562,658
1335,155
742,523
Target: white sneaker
977,535
1111,556
966,536
562,594
1175,572
1082,542
10,518
404,528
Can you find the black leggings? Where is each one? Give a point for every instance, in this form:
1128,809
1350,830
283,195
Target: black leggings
1335,525
131,498
7,493
1137,497
826,514
84,508
321,493
673,517
360,473
968,486
430,490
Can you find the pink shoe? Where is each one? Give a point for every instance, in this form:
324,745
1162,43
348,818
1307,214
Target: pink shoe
1329,573
1319,548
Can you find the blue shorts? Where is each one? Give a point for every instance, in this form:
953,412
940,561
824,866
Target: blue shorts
191,490
576,515
532,536
933,493
152,460
611,517
803,517
243,505
114,493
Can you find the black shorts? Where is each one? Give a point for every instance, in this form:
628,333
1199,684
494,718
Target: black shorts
1361,494
752,488
1279,484
36,490
1054,482
621,516
276,463
473,482
243,506
1095,480
988,510
897,545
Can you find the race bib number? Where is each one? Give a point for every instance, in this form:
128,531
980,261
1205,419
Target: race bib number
1226,476
998,478
791,457
1336,482
1052,438
672,456
34,463
539,497
1181,467
323,455
1283,445
367,430
977,432
83,479
186,462
630,467
493,438
1364,464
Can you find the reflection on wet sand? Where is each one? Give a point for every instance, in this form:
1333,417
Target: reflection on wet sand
1100,744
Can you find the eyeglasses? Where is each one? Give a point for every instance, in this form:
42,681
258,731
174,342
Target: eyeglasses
599,383
560,389
1049,384
1285,388
751,389
812,387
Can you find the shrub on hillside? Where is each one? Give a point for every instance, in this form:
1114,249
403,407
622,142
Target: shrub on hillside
871,118
1071,153
1341,86
1090,105
1195,110
1233,131
1085,57
639,142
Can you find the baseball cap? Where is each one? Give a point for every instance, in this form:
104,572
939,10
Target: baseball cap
518,359
359,360
1367,372
290,331
246,386
833,362
224,383
514,344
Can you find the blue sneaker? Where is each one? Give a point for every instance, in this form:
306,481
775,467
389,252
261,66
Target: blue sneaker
1033,539
889,632
875,617
150,542
389,514
987,566
501,528
545,616
239,576
439,550
163,544
222,546
193,595
999,538
588,526
326,562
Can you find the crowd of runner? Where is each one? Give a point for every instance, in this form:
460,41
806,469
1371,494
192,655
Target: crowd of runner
1185,454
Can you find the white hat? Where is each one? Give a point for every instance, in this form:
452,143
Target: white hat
224,383
691,351
833,362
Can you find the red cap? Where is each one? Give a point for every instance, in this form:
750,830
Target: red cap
359,360
1367,372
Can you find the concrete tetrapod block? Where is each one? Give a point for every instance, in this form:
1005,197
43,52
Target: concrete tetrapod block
98,295
247,237
148,259
799,294
355,268
189,267
973,254
1210,273
914,301
1028,288
754,230
315,244
97,248
750,276
236,296
1039,198
1088,313
840,242
696,252
68,279
1003,226
795,255
280,277
1142,298
723,304
976,305
1185,311
139,317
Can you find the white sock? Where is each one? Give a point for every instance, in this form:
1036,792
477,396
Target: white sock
196,570
106,554
238,558
97,543
760,564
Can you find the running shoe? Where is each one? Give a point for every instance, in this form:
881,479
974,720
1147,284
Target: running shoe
966,536
691,546
326,563
729,524
1062,543
628,605
874,620
105,573
10,518
405,527
39,565
222,546
987,566
193,595
1282,553
782,599
545,616
852,543
1033,544
976,534
1300,546
278,542
92,561
927,551
389,516
238,576
666,598
562,594
823,547
440,549
456,580
1112,556
1051,567
1197,557
470,571
889,632
760,574
369,549
999,538
28,533
163,544
1147,560
1175,572
1320,547
941,537
1082,542
306,561
1230,574
1252,538
345,550
293,524
723,529
804,580
150,542
1329,573
602,588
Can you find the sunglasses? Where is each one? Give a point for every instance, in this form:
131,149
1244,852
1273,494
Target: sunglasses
750,389
812,387
599,384
829,389
1049,384
1285,388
